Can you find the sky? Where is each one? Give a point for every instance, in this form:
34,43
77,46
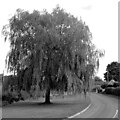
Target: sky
100,15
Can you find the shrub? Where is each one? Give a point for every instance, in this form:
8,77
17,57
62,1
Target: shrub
104,86
11,97
109,90
100,90
7,97
113,91
93,90
116,91
116,85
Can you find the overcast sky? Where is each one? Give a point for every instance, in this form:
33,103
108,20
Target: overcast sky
100,15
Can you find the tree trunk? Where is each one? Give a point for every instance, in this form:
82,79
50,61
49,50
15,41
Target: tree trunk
47,96
48,79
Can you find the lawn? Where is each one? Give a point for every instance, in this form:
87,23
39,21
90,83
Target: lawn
60,108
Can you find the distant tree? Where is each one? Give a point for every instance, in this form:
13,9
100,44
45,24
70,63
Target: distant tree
112,71
46,47
97,79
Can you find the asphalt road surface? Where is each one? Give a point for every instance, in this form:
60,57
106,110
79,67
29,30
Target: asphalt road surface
102,106
0,101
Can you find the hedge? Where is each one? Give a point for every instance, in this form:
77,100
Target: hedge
112,91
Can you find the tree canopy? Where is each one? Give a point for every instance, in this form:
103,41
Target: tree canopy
112,71
97,79
45,47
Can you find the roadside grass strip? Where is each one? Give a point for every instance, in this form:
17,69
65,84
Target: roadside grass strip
61,107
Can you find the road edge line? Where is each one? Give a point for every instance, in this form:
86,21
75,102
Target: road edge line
115,114
80,112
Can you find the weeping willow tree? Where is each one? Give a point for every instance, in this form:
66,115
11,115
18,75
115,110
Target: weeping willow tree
47,46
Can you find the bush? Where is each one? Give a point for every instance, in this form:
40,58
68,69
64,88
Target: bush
116,85
100,90
25,94
7,97
112,91
109,90
116,91
11,97
104,86
93,90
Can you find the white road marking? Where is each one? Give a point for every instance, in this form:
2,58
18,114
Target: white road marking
79,112
115,114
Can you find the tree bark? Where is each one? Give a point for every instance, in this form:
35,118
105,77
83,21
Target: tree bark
48,79
47,96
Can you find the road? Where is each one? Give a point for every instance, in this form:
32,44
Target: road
0,101
102,106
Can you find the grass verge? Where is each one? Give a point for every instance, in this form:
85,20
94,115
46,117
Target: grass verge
61,108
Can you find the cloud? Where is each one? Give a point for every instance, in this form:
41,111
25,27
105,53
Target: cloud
89,7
